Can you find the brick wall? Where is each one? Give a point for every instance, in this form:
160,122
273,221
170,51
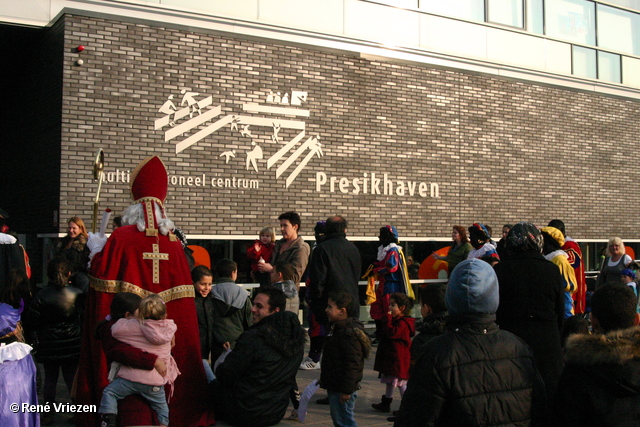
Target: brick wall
497,150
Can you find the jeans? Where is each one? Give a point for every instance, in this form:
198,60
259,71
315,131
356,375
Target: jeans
121,388
342,413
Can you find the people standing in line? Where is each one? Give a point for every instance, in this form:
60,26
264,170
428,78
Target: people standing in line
391,271
282,278
459,250
502,243
616,261
291,248
56,316
628,277
317,331
346,347
532,300
252,385
480,239
74,248
475,374
231,308
151,331
600,382
574,253
553,242
335,267
261,249
202,279
393,357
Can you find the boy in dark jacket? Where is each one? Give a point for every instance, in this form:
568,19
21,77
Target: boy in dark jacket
345,348
433,310
202,279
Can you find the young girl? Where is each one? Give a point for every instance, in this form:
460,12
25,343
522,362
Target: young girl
153,332
394,351
262,249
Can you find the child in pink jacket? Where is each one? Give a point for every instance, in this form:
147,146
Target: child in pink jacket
152,332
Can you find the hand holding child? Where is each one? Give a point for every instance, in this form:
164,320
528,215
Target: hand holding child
161,367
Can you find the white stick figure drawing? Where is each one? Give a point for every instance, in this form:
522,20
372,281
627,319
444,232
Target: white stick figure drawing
276,99
234,122
316,147
270,96
227,155
188,98
169,108
276,130
245,131
285,99
255,153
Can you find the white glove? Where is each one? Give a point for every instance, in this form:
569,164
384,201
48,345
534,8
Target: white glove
95,244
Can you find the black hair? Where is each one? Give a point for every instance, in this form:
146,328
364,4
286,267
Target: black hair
402,300
575,324
198,272
336,224
614,306
344,300
117,220
433,296
18,287
550,244
277,298
123,303
58,271
387,237
225,267
286,269
292,217
556,223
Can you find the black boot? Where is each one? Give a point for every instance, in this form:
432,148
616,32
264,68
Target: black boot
108,420
384,406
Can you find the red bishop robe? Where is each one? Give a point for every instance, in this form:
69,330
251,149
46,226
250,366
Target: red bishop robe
133,262
574,253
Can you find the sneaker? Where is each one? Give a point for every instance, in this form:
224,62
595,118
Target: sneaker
294,415
308,364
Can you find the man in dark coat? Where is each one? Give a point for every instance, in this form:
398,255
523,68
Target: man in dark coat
475,374
335,267
252,384
532,300
600,383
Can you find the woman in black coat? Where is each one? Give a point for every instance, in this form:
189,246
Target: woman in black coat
531,300
56,314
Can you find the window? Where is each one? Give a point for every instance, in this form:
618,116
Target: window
609,67
584,62
571,20
472,10
506,12
535,16
618,30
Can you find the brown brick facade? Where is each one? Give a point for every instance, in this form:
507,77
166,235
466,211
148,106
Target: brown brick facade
465,147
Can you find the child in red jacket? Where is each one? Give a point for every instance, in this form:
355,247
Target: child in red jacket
394,351
261,249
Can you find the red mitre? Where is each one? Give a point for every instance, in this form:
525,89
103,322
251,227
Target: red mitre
150,180
149,185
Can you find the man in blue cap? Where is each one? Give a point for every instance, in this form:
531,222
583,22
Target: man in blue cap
475,374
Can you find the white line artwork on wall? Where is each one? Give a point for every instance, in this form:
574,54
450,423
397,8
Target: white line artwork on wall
245,125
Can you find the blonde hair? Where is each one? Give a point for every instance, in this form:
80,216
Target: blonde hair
618,241
80,223
152,307
269,231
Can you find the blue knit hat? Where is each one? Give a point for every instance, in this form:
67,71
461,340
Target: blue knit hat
472,288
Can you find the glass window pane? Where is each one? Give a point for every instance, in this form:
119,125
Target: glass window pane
618,30
571,20
609,67
506,12
535,19
584,62
473,10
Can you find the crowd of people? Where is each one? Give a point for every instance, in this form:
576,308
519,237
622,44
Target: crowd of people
151,341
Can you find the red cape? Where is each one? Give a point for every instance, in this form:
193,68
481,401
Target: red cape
126,264
574,254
